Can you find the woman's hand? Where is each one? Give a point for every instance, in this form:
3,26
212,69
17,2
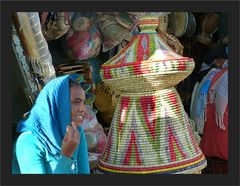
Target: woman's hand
71,140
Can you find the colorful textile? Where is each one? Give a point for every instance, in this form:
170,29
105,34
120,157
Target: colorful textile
214,142
218,94
199,108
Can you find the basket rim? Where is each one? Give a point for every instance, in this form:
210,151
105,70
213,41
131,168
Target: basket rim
137,63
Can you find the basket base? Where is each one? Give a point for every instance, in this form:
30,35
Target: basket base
150,134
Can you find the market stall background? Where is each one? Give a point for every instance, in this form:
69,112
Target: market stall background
80,42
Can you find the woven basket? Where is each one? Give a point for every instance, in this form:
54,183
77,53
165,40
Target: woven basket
163,23
114,27
55,24
172,41
147,58
150,133
105,102
126,20
143,84
82,45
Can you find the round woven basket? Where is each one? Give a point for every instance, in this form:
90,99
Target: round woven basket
126,20
114,27
82,45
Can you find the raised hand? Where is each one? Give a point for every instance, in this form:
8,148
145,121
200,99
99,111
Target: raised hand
71,140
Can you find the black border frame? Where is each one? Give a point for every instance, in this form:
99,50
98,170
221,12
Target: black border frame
7,55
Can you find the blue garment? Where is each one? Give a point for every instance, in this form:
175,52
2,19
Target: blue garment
38,148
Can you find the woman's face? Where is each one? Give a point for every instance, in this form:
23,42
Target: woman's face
219,62
78,108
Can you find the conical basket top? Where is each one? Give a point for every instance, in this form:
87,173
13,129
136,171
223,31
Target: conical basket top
147,62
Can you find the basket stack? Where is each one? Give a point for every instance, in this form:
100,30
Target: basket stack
150,132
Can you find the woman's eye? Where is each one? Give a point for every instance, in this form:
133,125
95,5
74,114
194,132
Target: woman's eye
77,102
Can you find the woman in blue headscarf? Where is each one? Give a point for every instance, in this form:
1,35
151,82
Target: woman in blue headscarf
51,140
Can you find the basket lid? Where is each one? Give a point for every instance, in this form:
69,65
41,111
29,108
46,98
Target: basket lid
146,47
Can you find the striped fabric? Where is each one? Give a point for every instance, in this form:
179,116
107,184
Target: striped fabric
219,96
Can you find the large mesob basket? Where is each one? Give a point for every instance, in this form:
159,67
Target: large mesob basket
150,132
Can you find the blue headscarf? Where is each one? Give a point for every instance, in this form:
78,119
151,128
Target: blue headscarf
50,114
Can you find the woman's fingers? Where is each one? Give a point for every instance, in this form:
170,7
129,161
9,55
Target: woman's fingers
69,132
72,134
73,124
71,140
76,135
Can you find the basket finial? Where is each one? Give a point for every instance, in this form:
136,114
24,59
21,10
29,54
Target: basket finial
148,23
